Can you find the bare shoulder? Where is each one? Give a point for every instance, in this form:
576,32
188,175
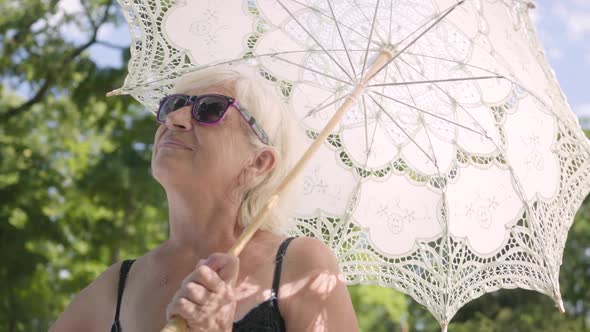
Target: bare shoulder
313,294
93,308
308,255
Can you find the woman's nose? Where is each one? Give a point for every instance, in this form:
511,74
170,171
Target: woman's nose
180,119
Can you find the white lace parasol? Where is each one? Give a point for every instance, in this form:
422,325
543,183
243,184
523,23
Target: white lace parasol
460,166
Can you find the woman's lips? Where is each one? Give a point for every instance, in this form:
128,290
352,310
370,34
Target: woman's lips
171,143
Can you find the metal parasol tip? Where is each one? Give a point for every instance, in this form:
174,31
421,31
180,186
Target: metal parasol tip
559,303
560,306
115,92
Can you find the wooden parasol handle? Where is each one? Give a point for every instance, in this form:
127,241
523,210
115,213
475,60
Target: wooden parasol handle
176,324
179,325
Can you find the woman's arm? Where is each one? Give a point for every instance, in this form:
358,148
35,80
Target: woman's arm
313,294
93,309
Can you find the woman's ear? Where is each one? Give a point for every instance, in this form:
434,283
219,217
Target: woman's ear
264,162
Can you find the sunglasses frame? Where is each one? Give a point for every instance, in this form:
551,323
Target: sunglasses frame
193,101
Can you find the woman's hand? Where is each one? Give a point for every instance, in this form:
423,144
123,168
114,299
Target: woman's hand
206,298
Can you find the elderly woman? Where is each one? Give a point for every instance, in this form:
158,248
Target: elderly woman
223,145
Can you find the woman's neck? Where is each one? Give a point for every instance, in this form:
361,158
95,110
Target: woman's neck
202,224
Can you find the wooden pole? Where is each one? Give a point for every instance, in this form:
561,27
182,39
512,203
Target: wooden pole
176,324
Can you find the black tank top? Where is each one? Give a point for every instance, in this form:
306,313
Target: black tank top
264,317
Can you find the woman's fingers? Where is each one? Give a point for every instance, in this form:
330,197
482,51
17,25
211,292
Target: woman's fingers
206,299
227,266
195,293
205,277
180,307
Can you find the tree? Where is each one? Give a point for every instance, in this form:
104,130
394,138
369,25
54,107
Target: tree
379,309
74,166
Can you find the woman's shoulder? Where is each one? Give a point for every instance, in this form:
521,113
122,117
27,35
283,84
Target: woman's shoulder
313,293
93,308
308,254
307,259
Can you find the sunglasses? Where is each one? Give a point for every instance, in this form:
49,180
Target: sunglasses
208,110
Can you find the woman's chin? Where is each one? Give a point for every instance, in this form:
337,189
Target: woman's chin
169,172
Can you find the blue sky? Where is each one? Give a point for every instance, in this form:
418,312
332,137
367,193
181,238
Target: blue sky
563,27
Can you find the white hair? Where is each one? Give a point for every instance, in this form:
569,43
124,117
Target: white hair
258,97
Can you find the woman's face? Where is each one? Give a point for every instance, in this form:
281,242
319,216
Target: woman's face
210,157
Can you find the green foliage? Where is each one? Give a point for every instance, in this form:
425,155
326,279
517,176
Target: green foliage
75,190
378,309
76,194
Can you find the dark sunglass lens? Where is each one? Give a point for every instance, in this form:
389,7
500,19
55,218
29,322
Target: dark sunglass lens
210,109
170,105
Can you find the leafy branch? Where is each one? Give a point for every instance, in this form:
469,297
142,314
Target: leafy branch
51,77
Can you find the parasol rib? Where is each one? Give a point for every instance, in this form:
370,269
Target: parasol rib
368,19
341,38
438,20
436,81
329,17
485,133
170,80
429,113
401,128
313,70
321,106
370,38
310,35
445,273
